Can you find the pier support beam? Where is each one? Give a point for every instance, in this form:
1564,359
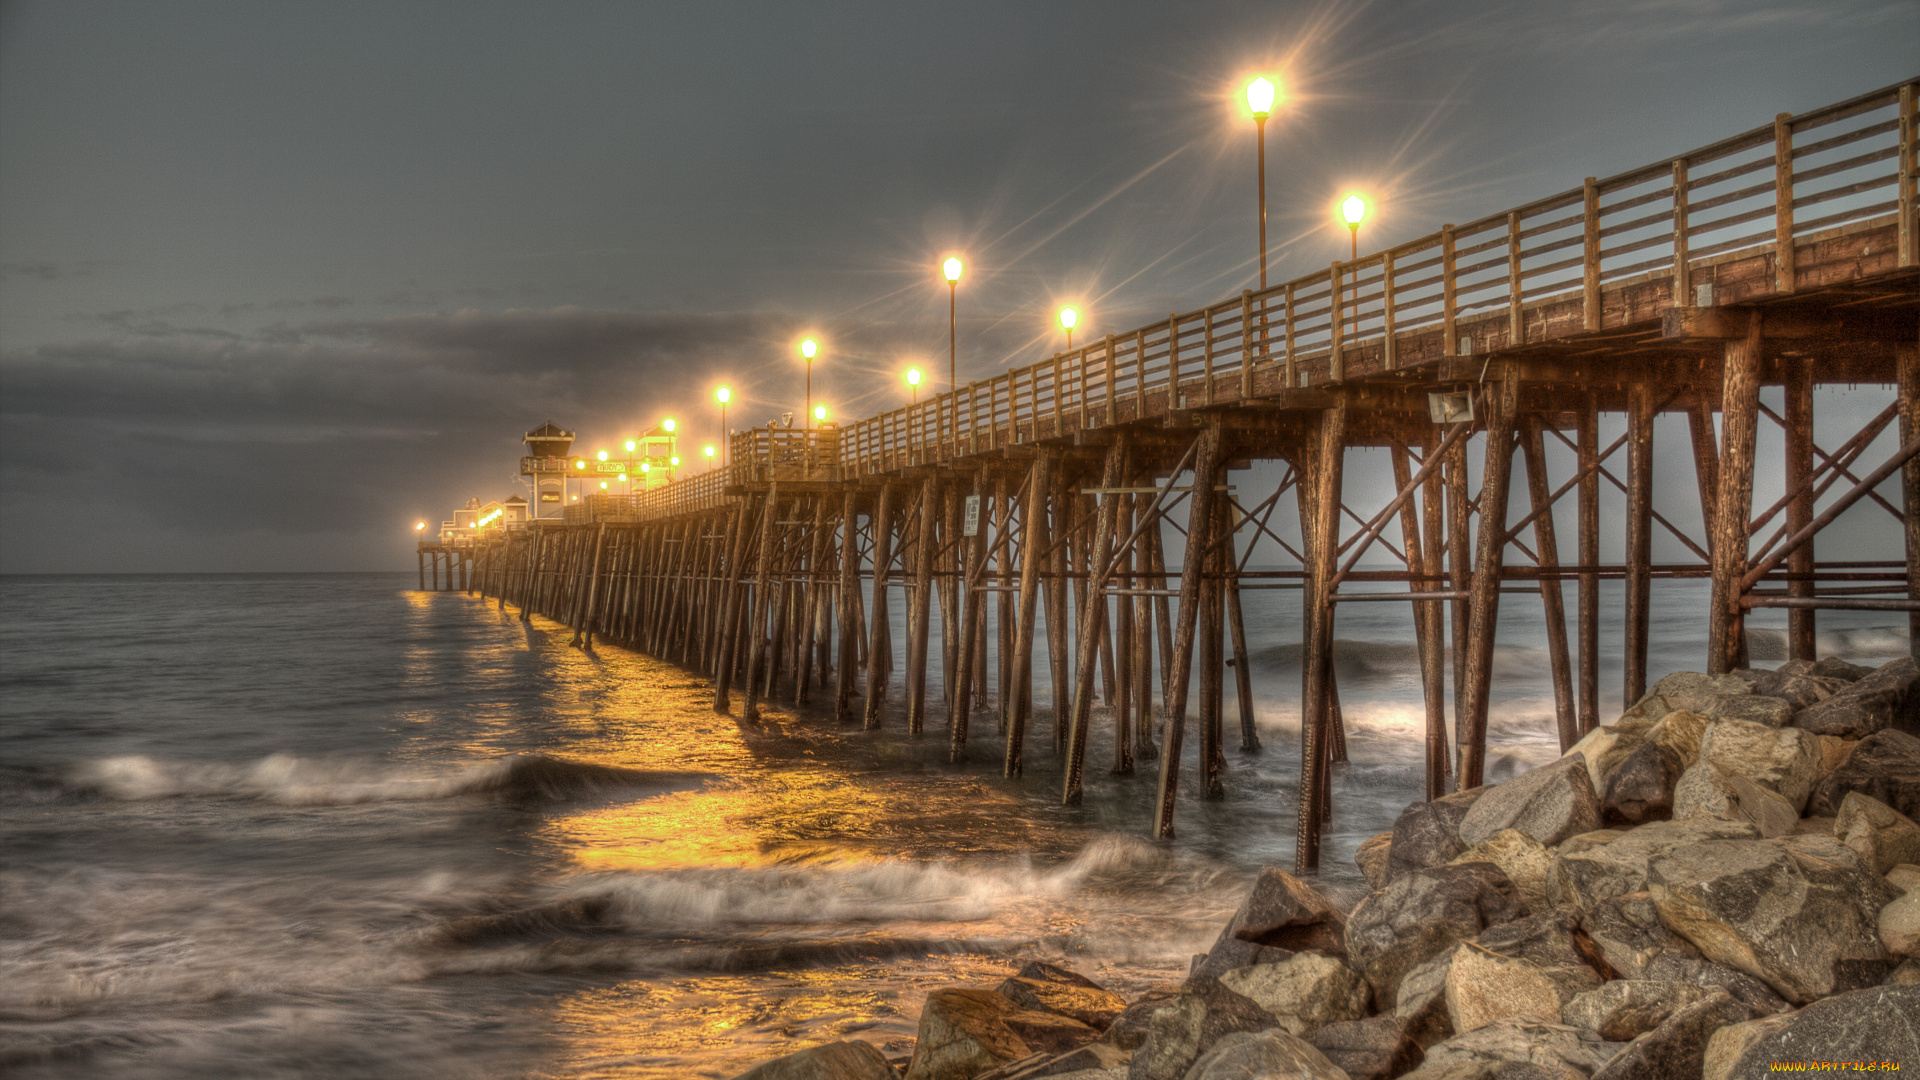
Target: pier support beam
1180,659
1587,445
1033,546
1739,411
880,642
1798,385
762,603
1907,375
1552,597
1093,617
1484,594
1322,479
849,599
1639,550
920,606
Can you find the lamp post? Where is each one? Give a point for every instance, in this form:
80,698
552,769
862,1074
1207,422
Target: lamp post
1352,209
951,268
807,349
1260,101
1069,318
723,395
913,380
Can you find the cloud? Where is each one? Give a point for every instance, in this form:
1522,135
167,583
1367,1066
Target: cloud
315,428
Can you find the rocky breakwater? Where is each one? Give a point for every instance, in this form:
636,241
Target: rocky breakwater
1727,876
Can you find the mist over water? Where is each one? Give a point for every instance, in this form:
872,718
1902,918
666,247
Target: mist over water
326,826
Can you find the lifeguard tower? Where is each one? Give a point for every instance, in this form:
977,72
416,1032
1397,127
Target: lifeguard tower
547,463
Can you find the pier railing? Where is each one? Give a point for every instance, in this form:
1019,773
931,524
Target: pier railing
1609,253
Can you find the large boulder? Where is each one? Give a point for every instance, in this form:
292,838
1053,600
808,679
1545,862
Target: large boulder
1428,833
1794,682
1283,912
1881,1023
1626,1009
1871,704
1899,925
1047,988
1420,913
1372,857
1552,1046
1681,733
1787,760
1696,692
1484,986
1094,1061
1421,1010
1756,708
1523,859
1183,1027
1707,790
1882,836
1306,992
1548,804
1130,1028
1640,788
1246,1054
1230,954
1599,865
1627,932
1676,1049
965,1031
1696,970
1377,1048
1796,912
1550,938
1885,765
832,1061
1605,747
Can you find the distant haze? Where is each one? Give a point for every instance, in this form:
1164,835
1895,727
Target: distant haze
278,280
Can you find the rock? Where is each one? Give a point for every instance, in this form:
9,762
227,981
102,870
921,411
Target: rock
1786,760
1905,877
1484,986
1523,859
1548,804
1680,732
1794,683
1754,708
1640,789
1871,704
1372,857
1422,1007
1283,912
832,1061
1677,1048
1796,912
1185,1026
965,1031
1595,746
1549,939
1881,1023
1833,751
1428,833
1696,970
1628,933
1695,692
1491,1070
1832,667
1094,1061
1899,925
1376,1048
1707,790
1626,1009
1882,836
1420,913
1129,1029
1885,765
1907,974
1306,992
1591,868
1088,1004
1229,954
1552,1046
1248,1054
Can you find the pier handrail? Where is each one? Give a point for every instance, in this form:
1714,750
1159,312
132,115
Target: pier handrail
1528,275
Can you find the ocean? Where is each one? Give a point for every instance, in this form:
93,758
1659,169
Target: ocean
328,826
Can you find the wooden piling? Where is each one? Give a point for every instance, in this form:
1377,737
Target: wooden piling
1587,451
920,607
1639,551
1739,412
1484,598
1033,545
1206,466
1797,380
1322,473
879,647
1552,598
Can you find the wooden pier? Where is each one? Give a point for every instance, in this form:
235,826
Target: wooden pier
1782,256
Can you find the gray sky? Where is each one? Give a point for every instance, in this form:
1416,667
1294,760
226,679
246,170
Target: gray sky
278,279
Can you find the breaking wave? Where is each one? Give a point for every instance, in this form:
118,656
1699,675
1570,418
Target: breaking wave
293,781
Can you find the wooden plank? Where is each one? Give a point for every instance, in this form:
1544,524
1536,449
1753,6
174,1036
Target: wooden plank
1590,257
1782,204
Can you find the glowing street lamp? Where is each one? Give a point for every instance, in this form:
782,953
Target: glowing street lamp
1069,318
807,349
667,425
708,450
630,445
421,527
1260,95
603,455
819,412
913,380
1353,209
